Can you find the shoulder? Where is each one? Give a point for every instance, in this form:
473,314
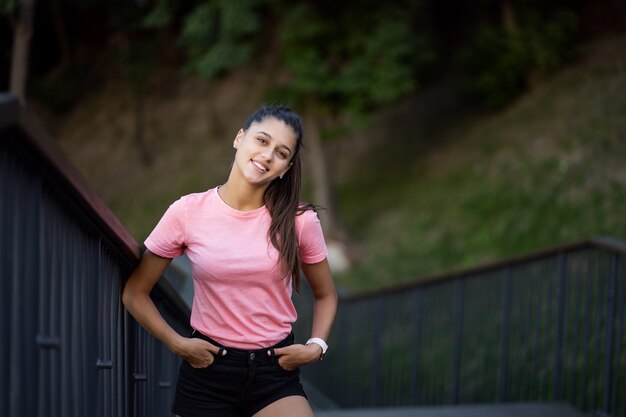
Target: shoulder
306,213
310,236
306,219
194,200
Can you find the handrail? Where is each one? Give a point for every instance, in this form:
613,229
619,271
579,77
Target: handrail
603,242
13,114
64,258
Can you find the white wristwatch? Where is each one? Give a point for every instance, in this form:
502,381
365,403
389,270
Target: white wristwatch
320,343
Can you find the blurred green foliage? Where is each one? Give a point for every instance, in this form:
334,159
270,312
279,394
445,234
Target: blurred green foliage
351,62
350,57
337,59
219,35
137,59
8,6
161,14
65,92
499,64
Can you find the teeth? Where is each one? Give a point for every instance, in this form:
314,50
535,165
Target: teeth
259,166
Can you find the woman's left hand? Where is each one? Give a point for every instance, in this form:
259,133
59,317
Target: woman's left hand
293,356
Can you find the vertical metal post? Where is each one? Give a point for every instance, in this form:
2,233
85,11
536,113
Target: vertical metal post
127,347
416,346
5,305
335,385
598,318
620,294
503,386
587,316
576,327
458,339
377,356
618,402
608,361
560,327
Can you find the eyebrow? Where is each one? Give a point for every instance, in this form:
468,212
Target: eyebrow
270,136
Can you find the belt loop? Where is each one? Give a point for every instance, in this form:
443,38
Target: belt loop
272,353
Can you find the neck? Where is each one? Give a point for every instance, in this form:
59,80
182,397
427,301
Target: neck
242,196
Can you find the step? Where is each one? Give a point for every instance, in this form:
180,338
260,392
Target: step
529,409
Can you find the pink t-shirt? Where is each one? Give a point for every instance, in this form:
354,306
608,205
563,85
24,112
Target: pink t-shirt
240,297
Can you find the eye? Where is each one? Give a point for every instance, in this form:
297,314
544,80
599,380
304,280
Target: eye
281,154
262,141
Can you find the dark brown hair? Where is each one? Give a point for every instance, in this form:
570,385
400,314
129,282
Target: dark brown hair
282,197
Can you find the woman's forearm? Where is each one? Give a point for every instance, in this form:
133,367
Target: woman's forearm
142,308
136,299
325,296
324,311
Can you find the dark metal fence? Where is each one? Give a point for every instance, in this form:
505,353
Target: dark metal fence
67,346
545,327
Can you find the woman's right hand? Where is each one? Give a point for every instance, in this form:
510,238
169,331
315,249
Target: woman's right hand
199,353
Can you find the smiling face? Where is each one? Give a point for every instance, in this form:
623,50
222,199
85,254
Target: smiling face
264,151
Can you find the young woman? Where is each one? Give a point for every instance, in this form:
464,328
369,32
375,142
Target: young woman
247,240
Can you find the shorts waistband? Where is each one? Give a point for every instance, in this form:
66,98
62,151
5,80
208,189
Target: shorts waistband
245,353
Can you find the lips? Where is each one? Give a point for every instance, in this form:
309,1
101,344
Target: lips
260,166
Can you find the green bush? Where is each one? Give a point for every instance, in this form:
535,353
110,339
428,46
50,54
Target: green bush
498,65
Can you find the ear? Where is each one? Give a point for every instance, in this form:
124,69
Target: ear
238,138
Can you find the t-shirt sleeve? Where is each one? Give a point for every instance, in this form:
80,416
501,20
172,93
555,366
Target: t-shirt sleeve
168,239
312,244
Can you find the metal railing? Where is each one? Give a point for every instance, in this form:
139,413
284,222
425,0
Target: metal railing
544,327
68,348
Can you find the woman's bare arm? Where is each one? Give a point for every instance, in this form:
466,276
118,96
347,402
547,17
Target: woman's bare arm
325,297
136,299
324,309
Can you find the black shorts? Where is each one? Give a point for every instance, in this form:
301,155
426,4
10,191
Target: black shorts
239,384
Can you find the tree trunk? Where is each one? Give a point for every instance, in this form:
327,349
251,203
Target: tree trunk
319,171
21,42
343,251
509,21
144,153
64,45
323,190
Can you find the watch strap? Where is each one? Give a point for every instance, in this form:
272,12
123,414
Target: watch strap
321,343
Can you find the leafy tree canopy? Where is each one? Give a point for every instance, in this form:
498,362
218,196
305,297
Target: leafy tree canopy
8,6
352,60
219,35
340,58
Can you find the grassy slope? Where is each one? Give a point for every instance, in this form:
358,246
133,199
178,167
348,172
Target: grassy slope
549,169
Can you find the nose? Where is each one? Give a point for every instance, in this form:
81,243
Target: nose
267,154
